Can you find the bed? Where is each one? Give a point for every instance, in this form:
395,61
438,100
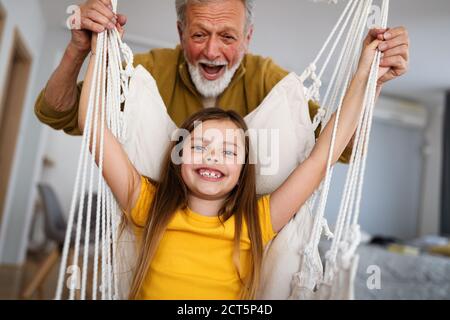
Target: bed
421,277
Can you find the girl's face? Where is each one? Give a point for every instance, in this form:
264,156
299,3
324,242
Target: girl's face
213,157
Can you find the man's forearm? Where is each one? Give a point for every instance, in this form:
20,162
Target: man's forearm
61,89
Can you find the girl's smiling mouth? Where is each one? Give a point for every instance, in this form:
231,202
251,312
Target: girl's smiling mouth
210,174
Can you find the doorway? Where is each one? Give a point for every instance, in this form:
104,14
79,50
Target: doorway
11,109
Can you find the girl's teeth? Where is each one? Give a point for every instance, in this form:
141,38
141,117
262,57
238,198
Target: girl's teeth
210,174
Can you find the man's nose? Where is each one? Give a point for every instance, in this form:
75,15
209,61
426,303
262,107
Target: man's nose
212,49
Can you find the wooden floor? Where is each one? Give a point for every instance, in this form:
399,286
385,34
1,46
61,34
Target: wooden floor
14,279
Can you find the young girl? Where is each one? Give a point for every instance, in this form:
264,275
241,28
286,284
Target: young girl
201,228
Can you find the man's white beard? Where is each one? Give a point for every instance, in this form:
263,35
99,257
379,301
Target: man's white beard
211,88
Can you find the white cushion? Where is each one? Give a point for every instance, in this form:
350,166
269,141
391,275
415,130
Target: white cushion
286,110
148,126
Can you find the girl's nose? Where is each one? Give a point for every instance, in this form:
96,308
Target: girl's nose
212,159
211,156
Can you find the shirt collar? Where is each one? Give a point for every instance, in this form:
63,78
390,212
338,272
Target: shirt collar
183,71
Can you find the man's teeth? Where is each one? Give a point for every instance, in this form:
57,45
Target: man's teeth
211,69
213,65
210,174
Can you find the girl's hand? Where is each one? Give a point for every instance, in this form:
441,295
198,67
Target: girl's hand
394,45
94,42
370,46
119,27
395,49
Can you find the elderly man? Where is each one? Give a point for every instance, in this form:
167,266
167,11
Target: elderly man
210,67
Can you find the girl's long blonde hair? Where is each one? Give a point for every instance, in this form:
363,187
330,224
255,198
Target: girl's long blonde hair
172,194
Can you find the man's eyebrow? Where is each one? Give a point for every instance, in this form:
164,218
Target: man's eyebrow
229,29
203,26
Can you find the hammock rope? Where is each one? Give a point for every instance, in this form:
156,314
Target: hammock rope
107,93
346,236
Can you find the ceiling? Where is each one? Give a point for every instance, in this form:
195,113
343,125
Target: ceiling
292,31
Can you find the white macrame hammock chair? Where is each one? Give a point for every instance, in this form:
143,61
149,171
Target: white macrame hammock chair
111,267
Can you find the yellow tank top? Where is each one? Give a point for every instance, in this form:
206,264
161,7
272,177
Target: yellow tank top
194,257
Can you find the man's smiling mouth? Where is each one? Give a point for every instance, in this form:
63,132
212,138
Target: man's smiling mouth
212,71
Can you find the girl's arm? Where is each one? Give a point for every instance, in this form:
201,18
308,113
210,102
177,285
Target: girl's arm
119,173
299,186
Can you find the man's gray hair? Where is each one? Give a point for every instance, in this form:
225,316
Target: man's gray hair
182,4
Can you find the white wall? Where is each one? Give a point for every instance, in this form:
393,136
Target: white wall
430,215
28,18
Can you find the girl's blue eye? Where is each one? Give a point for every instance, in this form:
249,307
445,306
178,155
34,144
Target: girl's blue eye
229,153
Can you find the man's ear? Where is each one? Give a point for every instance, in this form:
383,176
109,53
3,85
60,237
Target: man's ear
249,36
180,32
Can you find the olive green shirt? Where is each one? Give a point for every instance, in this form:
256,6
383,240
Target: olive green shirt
253,80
